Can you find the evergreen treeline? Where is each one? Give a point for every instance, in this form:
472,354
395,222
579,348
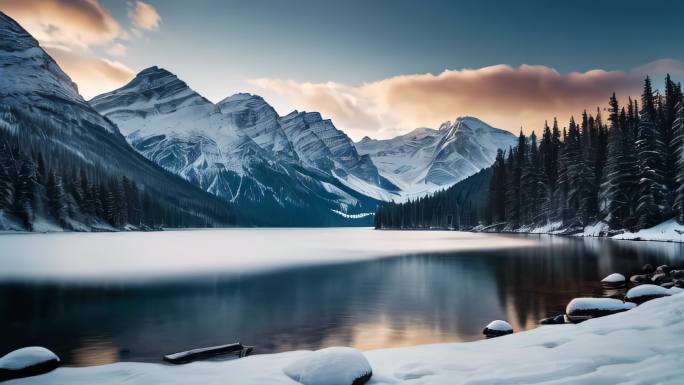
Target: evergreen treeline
627,171
41,180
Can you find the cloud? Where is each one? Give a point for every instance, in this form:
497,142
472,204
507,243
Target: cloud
66,23
118,50
144,16
504,96
93,75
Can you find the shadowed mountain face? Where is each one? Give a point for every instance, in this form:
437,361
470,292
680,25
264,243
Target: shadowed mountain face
42,111
294,170
426,159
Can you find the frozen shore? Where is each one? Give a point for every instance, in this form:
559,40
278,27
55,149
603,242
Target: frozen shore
642,345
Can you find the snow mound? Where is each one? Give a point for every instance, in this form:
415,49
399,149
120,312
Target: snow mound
614,278
581,309
643,293
330,366
497,328
29,361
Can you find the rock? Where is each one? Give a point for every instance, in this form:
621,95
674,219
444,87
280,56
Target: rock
497,328
614,279
667,285
659,278
664,269
677,274
582,309
643,293
647,269
330,366
29,361
557,320
679,283
640,278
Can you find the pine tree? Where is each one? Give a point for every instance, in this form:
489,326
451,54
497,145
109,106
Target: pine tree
6,189
650,150
678,144
25,194
55,198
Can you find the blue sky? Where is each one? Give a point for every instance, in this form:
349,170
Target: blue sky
321,54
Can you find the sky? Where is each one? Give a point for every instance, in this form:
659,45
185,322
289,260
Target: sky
377,68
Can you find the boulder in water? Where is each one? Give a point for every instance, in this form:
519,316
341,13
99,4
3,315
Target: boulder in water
643,293
497,328
29,361
330,366
615,279
582,309
647,269
640,278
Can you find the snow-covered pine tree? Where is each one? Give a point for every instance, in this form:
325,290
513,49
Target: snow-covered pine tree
650,160
6,189
678,145
55,198
25,193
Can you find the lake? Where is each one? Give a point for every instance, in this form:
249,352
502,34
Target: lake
102,298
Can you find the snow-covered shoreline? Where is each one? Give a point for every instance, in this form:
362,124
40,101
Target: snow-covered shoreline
637,346
668,231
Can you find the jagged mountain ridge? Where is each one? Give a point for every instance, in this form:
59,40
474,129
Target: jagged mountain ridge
425,159
41,105
241,150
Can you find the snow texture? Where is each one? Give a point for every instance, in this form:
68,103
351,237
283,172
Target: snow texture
330,366
26,357
637,346
667,231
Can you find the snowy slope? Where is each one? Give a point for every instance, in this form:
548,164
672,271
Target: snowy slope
639,346
41,102
426,160
241,150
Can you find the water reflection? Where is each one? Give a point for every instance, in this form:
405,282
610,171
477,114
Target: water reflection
407,300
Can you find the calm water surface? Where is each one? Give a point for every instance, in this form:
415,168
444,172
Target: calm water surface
394,301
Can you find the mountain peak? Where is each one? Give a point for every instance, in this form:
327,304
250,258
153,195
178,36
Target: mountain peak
13,37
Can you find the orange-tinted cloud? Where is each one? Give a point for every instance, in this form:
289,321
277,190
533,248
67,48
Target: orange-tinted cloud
144,16
504,96
93,75
66,23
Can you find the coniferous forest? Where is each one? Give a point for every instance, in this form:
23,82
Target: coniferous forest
60,187
624,170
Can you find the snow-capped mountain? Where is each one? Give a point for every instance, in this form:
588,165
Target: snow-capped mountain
51,125
425,159
297,168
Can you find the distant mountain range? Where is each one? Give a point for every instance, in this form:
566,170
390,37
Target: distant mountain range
426,160
292,170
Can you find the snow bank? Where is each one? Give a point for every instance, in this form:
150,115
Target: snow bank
666,231
639,345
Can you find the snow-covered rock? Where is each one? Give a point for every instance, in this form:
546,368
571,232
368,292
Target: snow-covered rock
643,293
330,366
582,309
29,361
426,160
614,279
497,328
